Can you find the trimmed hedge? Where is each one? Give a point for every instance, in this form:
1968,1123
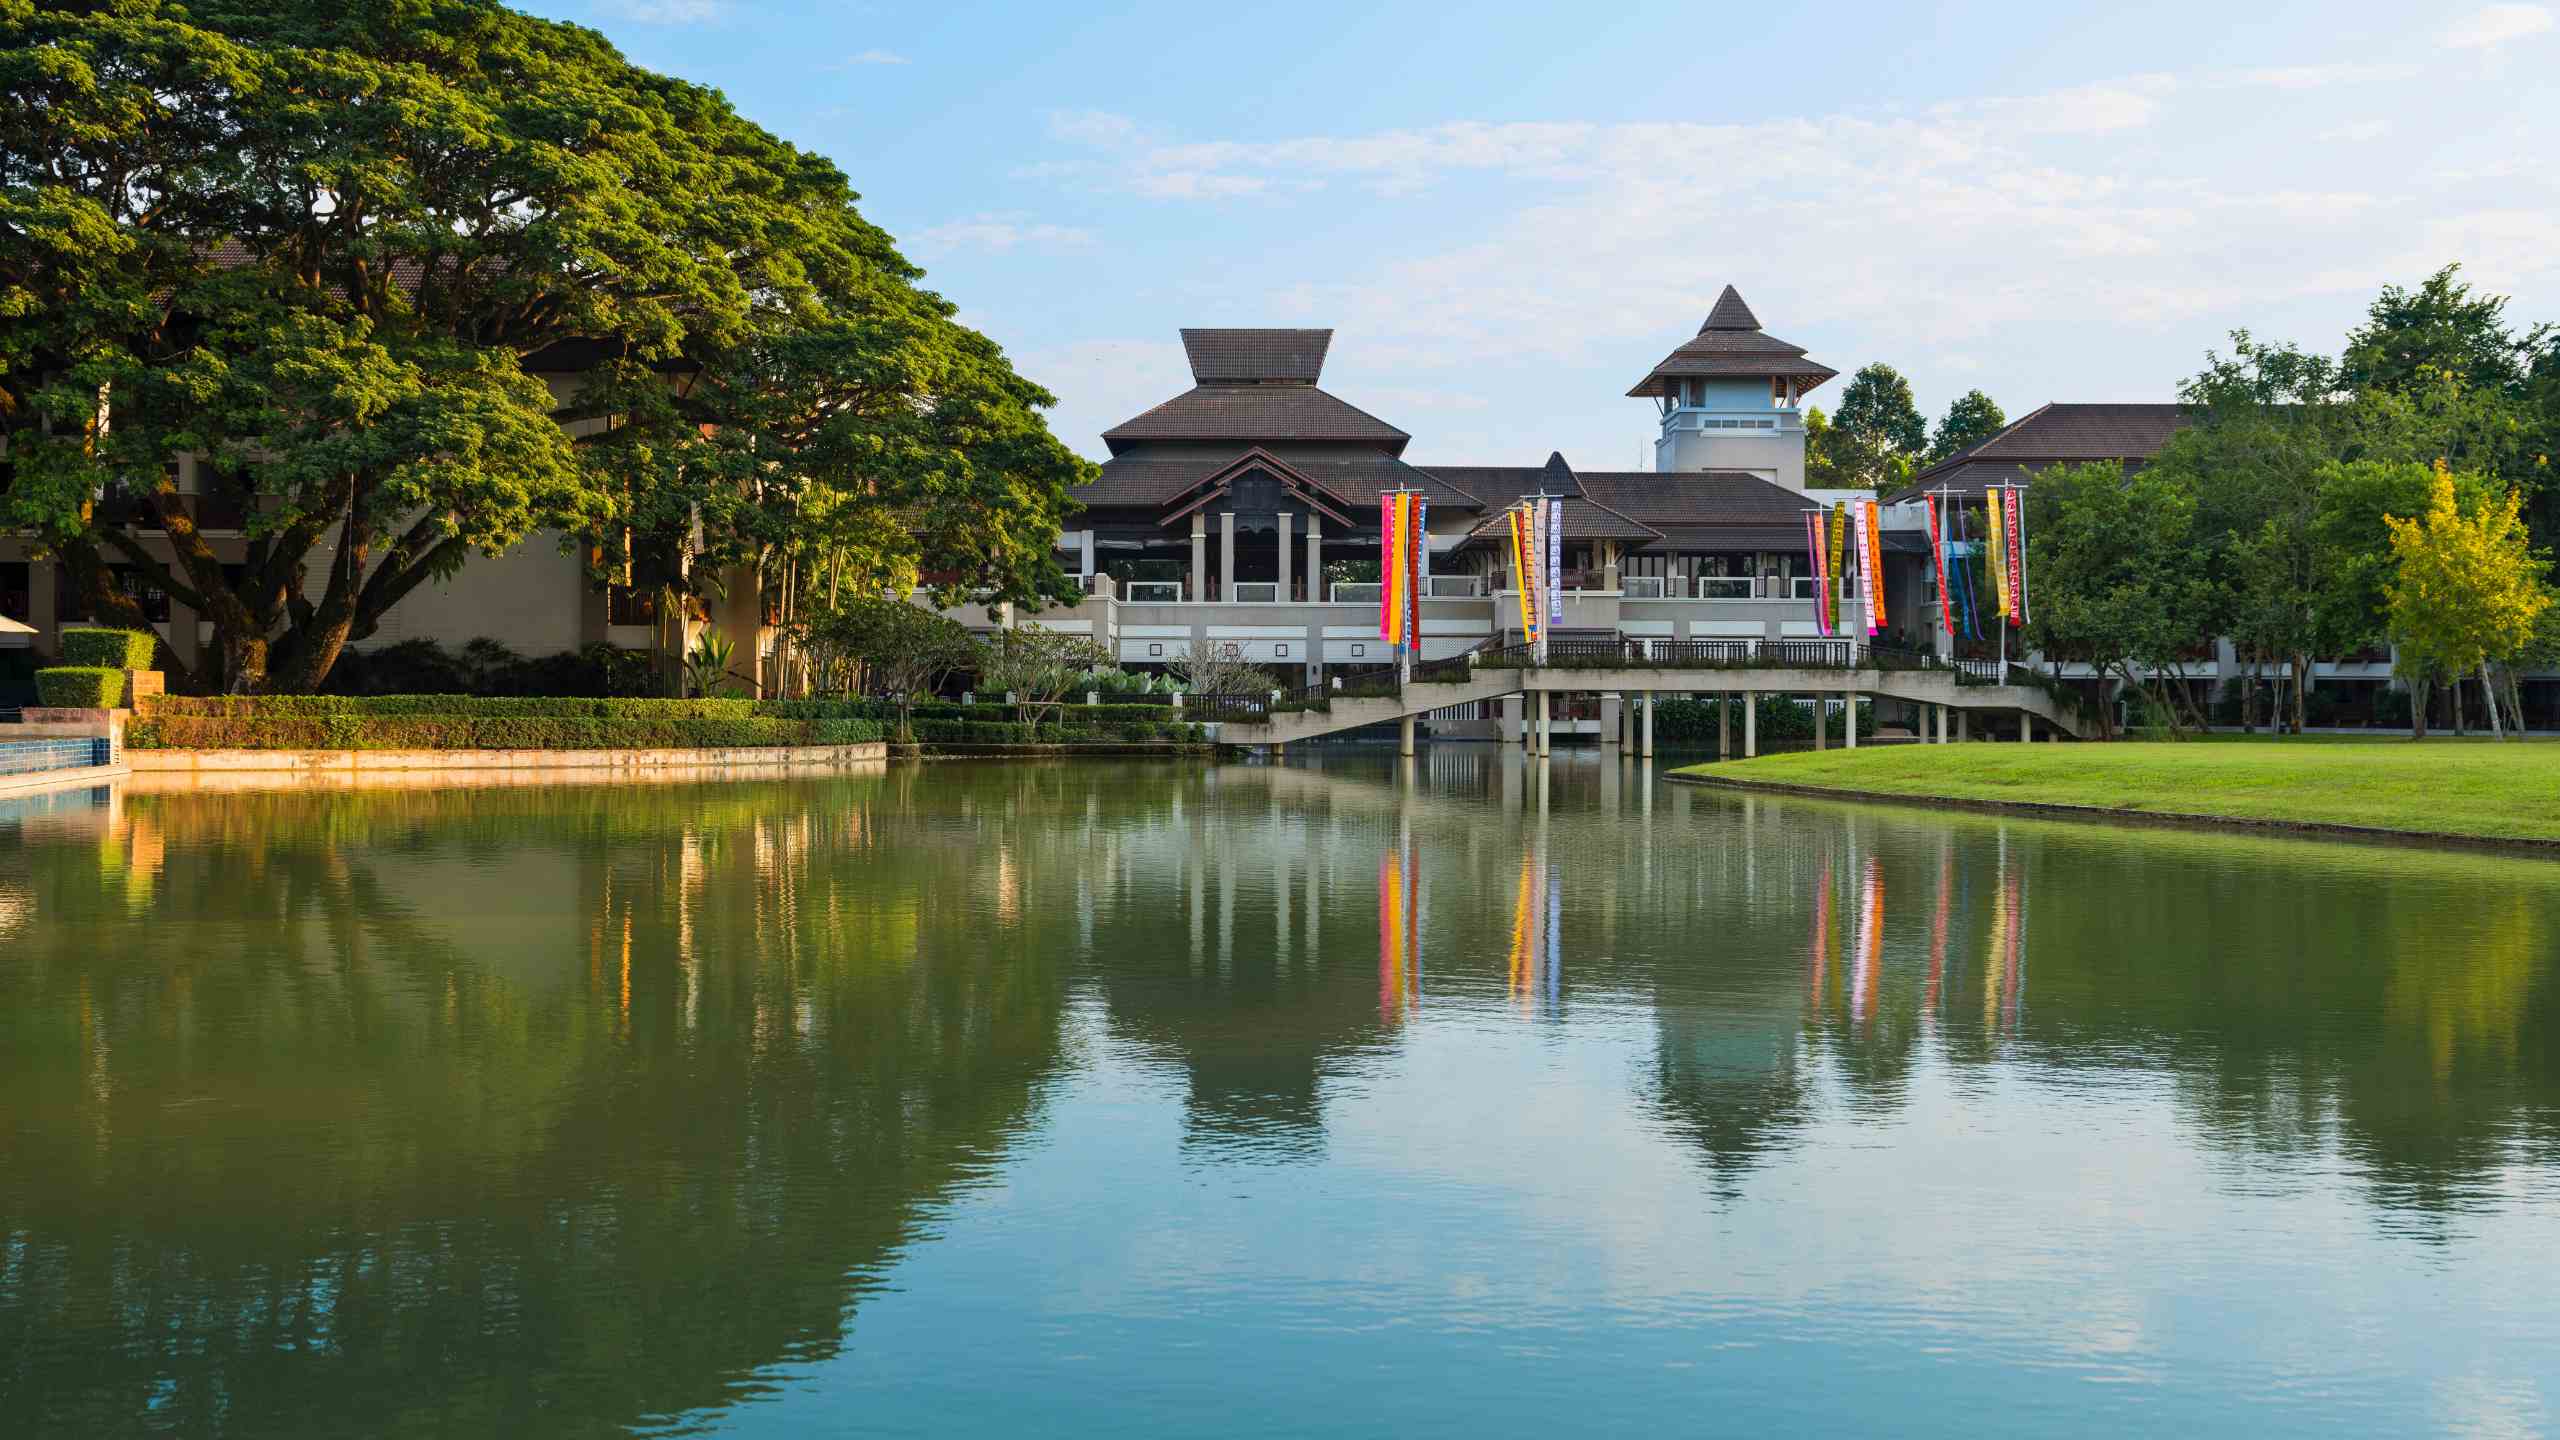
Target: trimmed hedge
81,687
104,648
467,722
447,722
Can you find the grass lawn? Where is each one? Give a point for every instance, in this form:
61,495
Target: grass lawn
2447,787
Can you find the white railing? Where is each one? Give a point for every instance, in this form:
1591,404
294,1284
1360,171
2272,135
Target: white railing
1154,592
1254,592
1453,587
1642,587
1726,587
1353,592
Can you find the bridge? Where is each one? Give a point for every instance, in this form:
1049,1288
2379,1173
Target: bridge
1949,693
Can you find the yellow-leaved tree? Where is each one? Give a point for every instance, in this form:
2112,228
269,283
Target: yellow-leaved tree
2465,591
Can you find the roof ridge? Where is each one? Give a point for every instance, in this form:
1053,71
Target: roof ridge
1730,313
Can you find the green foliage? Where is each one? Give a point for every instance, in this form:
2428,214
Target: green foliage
886,646
333,250
1683,720
80,687
487,667
447,722
1037,665
706,664
1973,418
109,648
2409,339
1876,433
2117,583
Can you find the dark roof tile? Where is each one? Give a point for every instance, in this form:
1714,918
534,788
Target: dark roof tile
1256,354
1248,414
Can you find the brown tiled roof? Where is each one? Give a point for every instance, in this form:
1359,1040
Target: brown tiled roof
2052,435
1583,520
1139,482
1697,497
1256,354
1730,314
1251,414
1730,344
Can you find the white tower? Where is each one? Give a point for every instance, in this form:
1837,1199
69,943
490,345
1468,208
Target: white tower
1730,399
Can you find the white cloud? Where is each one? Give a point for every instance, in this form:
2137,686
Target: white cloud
2358,131
2494,25
667,12
1092,127
877,57
1000,233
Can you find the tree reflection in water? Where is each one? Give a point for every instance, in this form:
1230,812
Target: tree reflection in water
429,1111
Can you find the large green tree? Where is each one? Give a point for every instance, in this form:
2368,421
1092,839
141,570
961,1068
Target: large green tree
1972,418
1877,432
2116,584
344,251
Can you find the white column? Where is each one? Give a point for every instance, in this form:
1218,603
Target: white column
1648,724
1284,557
1404,737
1084,545
1750,724
1964,724
1849,717
1821,722
1315,556
1546,721
1227,554
2026,726
1199,557
1724,726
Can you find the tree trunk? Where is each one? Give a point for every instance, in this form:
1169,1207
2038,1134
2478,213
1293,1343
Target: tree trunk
2301,690
2249,698
2489,692
2419,700
2453,698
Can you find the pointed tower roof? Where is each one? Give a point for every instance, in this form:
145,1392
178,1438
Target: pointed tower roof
1730,346
1730,314
1556,477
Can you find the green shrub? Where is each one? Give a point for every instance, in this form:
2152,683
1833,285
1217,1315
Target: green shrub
469,722
99,647
81,687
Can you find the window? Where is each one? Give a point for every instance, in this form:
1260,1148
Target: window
1281,650
1154,651
1359,650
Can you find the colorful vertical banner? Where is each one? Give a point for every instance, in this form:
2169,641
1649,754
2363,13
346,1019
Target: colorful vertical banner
1839,560
1418,514
1388,568
1999,543
1875,558
1817,552
2017,559
1536,961
1938,559
1866,968
1524,536
1555,562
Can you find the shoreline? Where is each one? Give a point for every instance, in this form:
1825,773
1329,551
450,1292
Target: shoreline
2103,814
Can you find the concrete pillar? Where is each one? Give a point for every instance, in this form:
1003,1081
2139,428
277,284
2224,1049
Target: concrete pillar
1750,724
1227,555
1849,719
1084,546
2026,726
1821,722
1546,722
1507,727
1284,557
1404,737
1648,724
1616,715
1315,556
1724,727
1964,724
740,615
1199,557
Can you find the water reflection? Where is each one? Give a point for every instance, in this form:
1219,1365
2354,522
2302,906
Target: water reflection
613,1104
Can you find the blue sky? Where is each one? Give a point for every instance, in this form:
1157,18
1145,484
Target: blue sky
1508,213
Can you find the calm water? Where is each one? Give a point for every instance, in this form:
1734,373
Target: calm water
1104,1099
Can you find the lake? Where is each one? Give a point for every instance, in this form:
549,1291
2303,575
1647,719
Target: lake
1458,1097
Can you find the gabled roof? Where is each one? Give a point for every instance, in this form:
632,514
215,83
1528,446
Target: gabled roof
2052,434
1251,355
1253,414
1146,482
1307,491
1730,345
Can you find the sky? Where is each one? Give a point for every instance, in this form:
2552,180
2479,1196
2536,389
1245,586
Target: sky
1508,213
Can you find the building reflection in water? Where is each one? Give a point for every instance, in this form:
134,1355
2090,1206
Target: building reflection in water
1536,961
